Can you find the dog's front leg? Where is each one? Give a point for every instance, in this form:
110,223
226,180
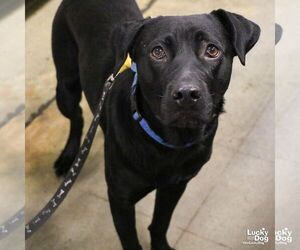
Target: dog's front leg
124,219
165,203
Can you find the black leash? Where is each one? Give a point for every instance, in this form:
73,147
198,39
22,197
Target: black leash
74,171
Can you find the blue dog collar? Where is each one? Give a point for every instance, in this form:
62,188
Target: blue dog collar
142,122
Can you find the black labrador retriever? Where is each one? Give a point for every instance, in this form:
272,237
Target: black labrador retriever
161,116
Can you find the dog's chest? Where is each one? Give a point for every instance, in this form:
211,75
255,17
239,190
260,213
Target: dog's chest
171,167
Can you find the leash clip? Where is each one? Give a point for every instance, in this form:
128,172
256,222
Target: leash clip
111,78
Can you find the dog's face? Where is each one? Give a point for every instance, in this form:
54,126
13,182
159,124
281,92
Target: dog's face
184,63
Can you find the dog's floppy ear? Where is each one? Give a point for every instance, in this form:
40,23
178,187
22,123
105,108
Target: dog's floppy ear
243,33
123,37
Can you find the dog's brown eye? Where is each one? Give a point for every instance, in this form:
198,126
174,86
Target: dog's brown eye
158,53
212,51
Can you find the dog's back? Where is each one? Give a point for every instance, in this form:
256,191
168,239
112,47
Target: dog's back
86,25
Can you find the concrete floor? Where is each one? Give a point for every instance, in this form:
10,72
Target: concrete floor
232,193
288,122
12,64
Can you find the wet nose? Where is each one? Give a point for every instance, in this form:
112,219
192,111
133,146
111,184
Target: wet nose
186,95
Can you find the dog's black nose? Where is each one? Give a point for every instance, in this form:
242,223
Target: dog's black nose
186,95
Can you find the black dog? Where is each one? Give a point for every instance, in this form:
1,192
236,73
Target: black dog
159,129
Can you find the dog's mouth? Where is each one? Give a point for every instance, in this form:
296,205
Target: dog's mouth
190,120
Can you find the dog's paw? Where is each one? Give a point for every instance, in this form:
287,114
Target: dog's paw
160,243
62,165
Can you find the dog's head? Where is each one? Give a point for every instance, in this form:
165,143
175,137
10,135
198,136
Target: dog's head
184,63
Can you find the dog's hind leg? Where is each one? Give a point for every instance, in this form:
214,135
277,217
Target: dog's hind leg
68,91
68,99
